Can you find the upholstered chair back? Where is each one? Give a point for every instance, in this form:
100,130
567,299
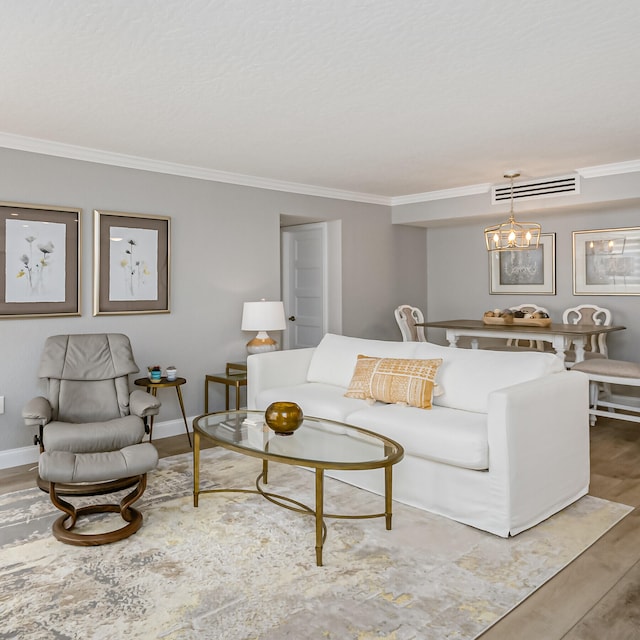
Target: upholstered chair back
539,345
406,317
87,376
590,314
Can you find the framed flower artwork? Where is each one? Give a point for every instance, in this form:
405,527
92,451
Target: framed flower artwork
40,252
131,265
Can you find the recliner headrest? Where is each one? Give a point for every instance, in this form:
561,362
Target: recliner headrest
90,356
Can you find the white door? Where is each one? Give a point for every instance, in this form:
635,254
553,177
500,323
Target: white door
305,284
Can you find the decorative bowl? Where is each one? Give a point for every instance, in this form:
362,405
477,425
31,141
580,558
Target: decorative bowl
283,417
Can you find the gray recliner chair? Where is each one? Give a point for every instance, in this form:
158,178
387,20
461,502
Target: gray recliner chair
91,429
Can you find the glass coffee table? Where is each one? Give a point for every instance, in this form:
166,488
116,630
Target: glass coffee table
318,444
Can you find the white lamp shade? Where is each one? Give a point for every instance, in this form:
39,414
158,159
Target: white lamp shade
263,316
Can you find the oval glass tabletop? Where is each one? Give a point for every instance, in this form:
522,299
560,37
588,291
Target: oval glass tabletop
317,442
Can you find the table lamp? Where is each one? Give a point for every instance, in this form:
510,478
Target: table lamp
263,316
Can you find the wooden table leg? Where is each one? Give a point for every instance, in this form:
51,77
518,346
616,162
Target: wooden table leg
561,344
184,417
154,393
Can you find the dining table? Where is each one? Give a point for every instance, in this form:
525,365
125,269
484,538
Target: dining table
561,336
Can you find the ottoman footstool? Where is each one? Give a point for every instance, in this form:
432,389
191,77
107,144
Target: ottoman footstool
66,467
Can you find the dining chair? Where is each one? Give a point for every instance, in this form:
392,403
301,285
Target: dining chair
603,373
407,317
596,347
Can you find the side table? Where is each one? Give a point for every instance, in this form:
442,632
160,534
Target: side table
162,384
234,376
236,366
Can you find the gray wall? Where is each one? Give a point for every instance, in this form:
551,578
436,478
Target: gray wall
458,269
225,250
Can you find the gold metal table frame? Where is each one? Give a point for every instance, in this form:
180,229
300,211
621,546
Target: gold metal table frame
208,426
163,383
234,376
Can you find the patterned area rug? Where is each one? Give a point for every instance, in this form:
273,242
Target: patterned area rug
239,567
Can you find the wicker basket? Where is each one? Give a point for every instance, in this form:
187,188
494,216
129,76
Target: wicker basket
494,320
523,322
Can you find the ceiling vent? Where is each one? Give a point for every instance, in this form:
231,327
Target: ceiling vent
534,189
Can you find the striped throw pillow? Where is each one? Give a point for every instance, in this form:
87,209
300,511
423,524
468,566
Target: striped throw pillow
407,381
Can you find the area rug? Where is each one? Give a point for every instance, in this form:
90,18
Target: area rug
241,568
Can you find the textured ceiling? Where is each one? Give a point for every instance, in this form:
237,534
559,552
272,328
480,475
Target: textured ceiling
382,97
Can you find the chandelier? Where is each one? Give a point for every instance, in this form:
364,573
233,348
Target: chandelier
512,235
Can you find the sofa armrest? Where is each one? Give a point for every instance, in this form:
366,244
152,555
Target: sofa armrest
538,434
276,369
37,412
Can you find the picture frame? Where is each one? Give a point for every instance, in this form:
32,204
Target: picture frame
40,253
131,263
606,262
522,271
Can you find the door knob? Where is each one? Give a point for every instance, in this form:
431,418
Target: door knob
292,318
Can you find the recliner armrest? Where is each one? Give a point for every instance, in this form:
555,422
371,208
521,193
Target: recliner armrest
143,404
37,412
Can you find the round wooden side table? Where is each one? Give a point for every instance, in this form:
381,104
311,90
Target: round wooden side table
162,384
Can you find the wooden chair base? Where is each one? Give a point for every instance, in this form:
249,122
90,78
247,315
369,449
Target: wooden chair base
605,372
63,527
88,488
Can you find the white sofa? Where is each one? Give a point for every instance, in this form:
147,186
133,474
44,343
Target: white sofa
505,446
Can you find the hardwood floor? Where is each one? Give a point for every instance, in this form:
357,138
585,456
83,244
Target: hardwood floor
597,597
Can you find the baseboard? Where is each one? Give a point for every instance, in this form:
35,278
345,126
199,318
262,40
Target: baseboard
29,455
170,428
17,457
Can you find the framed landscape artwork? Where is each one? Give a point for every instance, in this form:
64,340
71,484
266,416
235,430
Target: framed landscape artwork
40,252
131,264
525,270
606,262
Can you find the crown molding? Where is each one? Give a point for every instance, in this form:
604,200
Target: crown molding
73,152
443,194
613,169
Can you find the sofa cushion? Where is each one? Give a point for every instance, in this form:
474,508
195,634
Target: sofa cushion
394,380
314,398
334,359
444,435
467,376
